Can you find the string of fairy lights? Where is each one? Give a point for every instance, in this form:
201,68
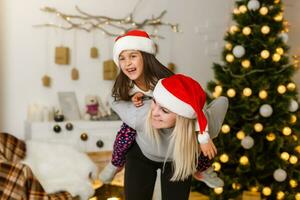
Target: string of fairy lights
247,142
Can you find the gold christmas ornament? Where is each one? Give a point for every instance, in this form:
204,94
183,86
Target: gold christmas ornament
276,1
286,131
218,89
46,80
293,183
271,137
240,135
74,74
295,138
247,92
265,29
247,30
279,50
231,93
291,86
293,159
293,119
228,46
225,128
229,58
265,54
216,166
280,195
263,10
236,186
278,17
297,149
224,158
285,156
258,127
218,190
94,52
297,196
276,57
216,94
243,9
266,191
236,11
246,63
233,29
281,89
244,160
253,189
263,94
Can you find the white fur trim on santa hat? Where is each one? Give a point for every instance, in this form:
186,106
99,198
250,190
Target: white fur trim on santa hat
132,43
172,103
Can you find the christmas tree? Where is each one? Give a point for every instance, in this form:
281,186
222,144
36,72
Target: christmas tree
259,143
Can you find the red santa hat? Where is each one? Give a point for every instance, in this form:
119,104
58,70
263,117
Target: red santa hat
184,96
133,40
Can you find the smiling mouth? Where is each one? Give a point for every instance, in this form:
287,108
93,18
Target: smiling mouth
131,70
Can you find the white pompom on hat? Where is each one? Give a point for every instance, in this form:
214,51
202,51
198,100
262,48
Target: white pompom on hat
184,96
133,40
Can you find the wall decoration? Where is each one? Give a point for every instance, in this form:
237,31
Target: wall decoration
171,66
94,52
69,105
110,70
46,80
62,55
74,74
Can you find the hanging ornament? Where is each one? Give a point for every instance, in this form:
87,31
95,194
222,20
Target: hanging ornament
253,5
293,159
238,51
263,10
271,137
225,128
244,160
224,158
293,119
279,175
216,166
243,9
263,94
246,30
276,57
286,131
297,149
276,1
233,29
265,110
265,29
278,17
258,127
246,64
229,58
247,92
236,186
265,54
284,36
291,86
281,89
293,183
94,52
218,190
297,196
74,74
46,80
240,135
293,107
231,93
285,156
280,195
236,11
247,142
228,46
266,191
279,50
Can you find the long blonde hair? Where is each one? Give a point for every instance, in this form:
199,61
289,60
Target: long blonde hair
185,147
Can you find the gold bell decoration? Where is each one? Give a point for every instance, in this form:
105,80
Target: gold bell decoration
270,137
246,30
281,89
94,52
263,10
74,74
231,93
265,54
246,63
263,94
265,29
46,81
258,127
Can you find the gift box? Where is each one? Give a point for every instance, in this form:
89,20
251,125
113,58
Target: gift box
62,55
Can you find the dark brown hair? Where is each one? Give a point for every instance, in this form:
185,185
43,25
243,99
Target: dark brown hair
153,71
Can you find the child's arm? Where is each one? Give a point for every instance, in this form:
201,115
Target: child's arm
137,99
209,149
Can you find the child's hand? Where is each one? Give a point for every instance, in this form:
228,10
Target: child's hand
137,99
209,149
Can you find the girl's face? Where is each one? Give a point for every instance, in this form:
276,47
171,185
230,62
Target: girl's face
161,117
132,64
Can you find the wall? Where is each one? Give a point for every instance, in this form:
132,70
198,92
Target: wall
29,51
1,63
